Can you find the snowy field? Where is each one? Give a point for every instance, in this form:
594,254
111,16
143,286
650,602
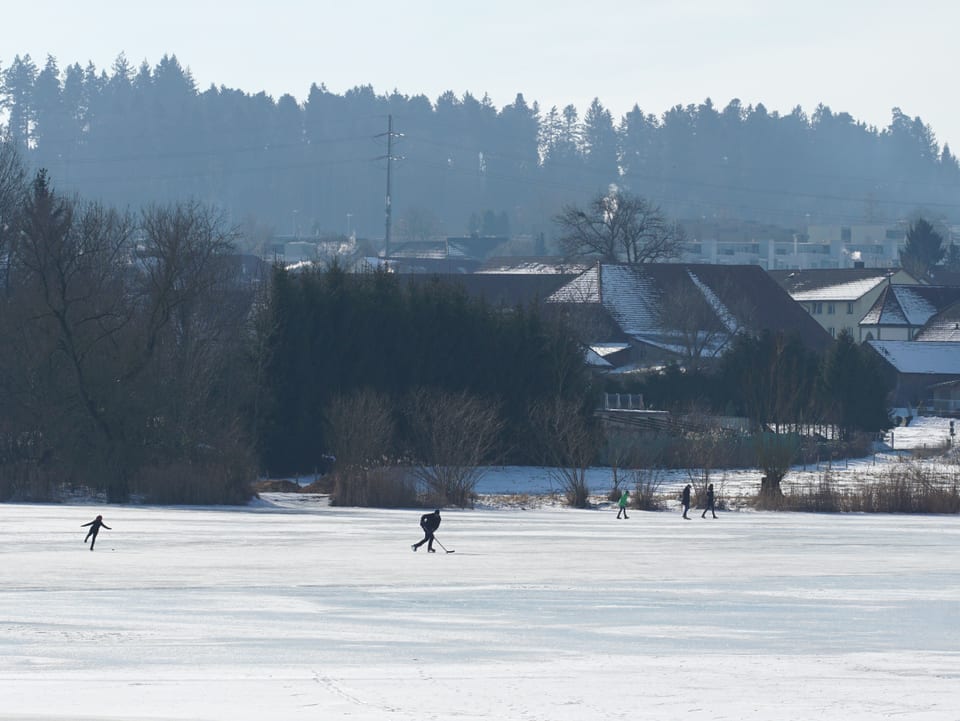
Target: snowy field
291,609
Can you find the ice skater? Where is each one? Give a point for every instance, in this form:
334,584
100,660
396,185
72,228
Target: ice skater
624,498
429,522
710,500
685,500
95,525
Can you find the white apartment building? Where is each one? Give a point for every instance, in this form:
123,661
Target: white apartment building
822,246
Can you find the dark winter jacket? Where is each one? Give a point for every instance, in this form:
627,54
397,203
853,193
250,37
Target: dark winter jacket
430,522
97,523
685,498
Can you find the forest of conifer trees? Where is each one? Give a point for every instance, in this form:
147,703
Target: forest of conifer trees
132,135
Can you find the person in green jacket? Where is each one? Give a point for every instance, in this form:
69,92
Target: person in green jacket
624,497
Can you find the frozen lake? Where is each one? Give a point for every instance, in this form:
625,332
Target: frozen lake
294,610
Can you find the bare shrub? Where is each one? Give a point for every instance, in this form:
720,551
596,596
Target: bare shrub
905,488
360,429
822,496
25,481
908,488
647,483
194,483
454,435
569,444
379,487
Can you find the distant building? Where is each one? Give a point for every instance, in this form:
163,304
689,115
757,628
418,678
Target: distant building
907,312
774,248
917,368
688,313
838,299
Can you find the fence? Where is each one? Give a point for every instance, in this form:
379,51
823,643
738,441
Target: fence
623,402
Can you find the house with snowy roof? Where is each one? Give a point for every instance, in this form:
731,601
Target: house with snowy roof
916,368
838,298
903,312
687,313
944,326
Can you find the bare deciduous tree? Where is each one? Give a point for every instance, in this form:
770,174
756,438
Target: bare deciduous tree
776,452
454,435
132,353
702,326
360,430
619,226
569,444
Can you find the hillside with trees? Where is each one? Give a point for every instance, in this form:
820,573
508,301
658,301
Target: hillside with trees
138,358
131,135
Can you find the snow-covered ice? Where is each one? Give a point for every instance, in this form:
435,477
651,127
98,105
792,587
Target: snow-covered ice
292,609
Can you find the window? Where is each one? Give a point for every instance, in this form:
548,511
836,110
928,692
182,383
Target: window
849,308
816,308
845,235
833,332
831,308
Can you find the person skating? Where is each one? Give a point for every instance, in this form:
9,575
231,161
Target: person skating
429,522
95,525
710,500
685,500
624,497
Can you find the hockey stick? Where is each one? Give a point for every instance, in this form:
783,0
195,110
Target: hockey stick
442,546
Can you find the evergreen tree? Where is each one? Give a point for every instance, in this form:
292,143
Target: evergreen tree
600,145
923,250
17,92
136,135
48,108
854,389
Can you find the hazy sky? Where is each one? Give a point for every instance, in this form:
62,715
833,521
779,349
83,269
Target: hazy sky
859,56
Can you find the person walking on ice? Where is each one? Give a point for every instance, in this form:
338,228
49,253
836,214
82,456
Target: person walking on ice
95,525
685,500
429,522
710,500
624,497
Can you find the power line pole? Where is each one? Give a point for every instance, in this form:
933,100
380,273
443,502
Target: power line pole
389,205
